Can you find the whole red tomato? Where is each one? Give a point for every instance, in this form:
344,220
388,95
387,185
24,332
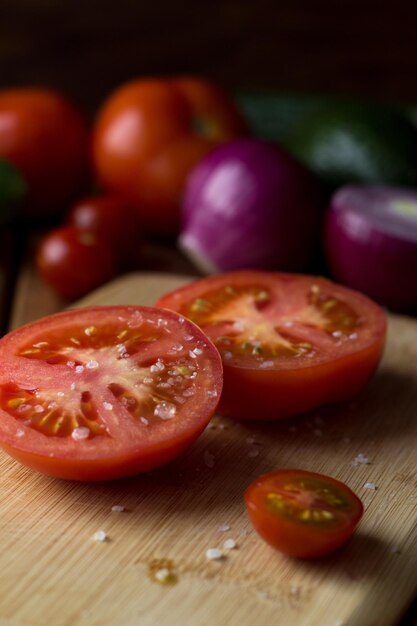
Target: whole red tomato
46,138
113,220
74,261
151,132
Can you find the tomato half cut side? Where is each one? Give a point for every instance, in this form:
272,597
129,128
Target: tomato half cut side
289,343
104,392
302,514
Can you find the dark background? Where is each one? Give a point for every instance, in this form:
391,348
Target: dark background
87,48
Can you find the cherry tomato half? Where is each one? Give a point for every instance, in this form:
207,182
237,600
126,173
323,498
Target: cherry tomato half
99,393
302,514
46,138
74,261
112,219
151,132
289,343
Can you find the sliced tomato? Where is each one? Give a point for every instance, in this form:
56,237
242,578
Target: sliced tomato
302,514
288,342
104,392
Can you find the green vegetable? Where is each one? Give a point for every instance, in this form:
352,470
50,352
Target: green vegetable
357,142
13,190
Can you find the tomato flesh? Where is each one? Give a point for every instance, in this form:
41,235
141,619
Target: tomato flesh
302,514
288,342
105,392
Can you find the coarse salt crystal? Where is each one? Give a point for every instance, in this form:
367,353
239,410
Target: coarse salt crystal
212,393
38,408
227,355
213,554
209,459
92,365
361,459
223,528
144,421
107,406
100,535
147,380
60,394
73,386
263,595
70,363
80,433
165,410
229,544
79,369
117,508
157,367
371,486
265,364
20,432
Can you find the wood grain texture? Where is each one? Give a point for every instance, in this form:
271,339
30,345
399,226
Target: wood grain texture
51,571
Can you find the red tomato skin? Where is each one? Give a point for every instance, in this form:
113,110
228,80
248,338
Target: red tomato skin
112,219
73,262
104,466
279,393
296,540
264,395
151,132
47,139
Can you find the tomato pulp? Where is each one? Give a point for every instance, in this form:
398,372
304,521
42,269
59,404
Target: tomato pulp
302,514
99,393
288,342
151,132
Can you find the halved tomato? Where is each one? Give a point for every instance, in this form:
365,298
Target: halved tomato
104,392
302,514
288,342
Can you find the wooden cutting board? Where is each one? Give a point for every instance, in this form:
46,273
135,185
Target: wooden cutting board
53,572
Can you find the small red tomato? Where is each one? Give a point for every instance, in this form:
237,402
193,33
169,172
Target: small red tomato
74,261
302,514
46,138
113,220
